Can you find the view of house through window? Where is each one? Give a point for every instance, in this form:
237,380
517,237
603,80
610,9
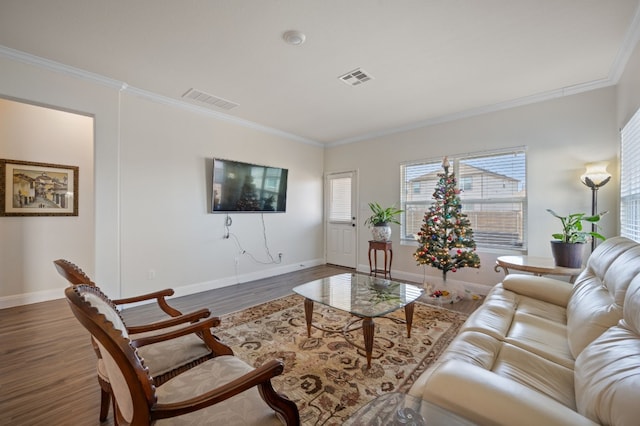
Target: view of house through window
492,191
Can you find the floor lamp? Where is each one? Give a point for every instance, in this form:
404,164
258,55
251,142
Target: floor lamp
595,177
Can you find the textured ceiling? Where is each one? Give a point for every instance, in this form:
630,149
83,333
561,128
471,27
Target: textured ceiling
430,60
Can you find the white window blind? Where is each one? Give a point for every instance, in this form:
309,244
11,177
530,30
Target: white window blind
630,179
340,199
493,195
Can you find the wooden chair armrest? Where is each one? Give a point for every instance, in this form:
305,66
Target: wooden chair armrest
185,318
160,299
260,375
202,328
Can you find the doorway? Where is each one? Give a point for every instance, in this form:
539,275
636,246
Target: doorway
341,231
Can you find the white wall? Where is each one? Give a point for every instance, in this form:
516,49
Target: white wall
561,135
147,155
21,80
151,175
629,89
44,135
166,184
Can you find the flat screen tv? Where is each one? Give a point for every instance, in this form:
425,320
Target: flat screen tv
243,187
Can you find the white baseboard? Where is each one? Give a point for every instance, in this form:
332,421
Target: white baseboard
225,282
44,296
474,288
29,298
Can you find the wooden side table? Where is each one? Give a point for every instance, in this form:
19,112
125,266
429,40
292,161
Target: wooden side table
535,265
385,246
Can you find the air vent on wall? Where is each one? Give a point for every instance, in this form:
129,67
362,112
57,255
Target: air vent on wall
198,96
356,77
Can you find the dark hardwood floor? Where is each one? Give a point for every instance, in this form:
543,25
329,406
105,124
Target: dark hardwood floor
47,366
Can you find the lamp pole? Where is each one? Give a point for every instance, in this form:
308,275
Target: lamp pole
594,210
595,177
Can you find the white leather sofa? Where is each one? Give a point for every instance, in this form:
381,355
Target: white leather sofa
541,351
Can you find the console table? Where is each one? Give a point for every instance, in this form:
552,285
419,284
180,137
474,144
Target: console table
385,246
535,265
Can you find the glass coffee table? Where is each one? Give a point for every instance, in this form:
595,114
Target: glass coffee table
362,296
402,409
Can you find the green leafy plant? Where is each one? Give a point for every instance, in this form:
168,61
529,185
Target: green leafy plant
572,230
382,216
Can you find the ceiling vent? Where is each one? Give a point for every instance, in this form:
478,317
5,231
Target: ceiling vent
205,98
356,77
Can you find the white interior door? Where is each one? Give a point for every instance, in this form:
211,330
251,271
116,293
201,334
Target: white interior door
341,218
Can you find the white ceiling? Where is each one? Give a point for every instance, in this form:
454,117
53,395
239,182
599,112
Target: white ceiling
431,60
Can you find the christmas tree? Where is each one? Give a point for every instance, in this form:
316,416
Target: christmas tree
446,238
248,198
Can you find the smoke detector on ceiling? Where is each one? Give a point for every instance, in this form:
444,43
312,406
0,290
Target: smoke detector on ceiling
205,98
294,37
356,77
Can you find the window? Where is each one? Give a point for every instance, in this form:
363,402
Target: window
466,183
492,192
340,199
630,179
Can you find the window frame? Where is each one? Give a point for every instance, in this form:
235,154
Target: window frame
521,219
629,178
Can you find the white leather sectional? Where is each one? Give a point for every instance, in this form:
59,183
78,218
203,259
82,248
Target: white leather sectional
541,351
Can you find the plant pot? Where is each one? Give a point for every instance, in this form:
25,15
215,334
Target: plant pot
381,232
568,255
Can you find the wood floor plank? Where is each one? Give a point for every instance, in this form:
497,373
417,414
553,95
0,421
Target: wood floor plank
47,365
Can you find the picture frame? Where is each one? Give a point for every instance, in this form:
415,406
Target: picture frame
28,188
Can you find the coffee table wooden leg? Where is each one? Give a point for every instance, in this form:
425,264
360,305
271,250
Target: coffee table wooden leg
408,314
308,314
368,329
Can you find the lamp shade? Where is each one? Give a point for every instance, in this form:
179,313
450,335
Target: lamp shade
596,174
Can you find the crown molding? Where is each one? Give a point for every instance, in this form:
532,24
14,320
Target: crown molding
527,100
626,49
166,100
617,68
58,67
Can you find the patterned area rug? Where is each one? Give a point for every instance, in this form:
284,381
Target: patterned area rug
325,375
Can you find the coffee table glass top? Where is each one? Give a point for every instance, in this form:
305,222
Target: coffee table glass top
360,295
402,409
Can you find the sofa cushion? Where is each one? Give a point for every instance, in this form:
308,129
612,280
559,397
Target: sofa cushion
541,336
607,378
508,361
543,289
524,321
607,372
488,399
598,294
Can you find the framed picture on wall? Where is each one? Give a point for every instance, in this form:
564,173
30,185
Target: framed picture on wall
38,189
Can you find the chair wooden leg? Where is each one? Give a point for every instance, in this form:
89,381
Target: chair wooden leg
105,399
283,406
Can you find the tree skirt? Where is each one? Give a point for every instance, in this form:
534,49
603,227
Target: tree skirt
325,375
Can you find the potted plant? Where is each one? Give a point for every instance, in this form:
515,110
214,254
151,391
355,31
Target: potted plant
380,219
568,246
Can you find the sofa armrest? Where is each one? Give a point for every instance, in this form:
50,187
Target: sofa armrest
541,288
487,398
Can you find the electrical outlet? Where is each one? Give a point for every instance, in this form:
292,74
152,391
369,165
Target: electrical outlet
237,261
280,256
151,274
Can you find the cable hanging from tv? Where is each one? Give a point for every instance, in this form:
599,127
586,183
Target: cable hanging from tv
228,234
